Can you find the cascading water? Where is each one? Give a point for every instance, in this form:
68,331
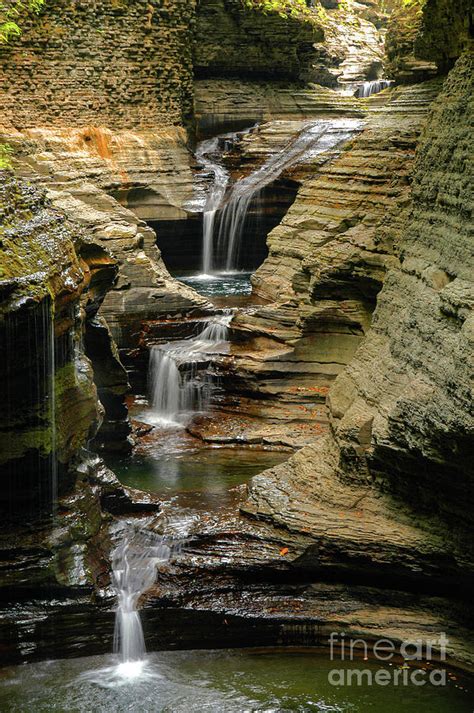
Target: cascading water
134,567
362,90
215,196
180,384
226,211
28,350
51,347
135,563
374,87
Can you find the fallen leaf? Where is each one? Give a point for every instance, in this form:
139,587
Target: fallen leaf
284,551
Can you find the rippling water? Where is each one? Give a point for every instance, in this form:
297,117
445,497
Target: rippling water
244,681
225,283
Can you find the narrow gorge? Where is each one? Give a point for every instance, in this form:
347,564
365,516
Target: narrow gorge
236,331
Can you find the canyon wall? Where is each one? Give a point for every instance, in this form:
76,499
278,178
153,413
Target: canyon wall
53,278
232,40
50,280
120,63
396,469
369,528
95,97
56,358
426,37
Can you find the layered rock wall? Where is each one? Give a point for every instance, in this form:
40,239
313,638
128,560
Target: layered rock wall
390,489
425,37
118,63
329,256
234,40
52,280
410,382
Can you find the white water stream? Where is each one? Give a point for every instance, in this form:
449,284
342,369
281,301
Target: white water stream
226,208
180,384
362,90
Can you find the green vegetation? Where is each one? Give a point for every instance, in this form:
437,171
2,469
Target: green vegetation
5,156
11,12
285,8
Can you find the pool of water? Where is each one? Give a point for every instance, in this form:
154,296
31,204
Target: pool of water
178,469
238,681
223,284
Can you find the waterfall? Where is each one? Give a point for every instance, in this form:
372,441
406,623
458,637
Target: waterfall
134,570
51,348
135,564
180,384
226,210
368,88
214,197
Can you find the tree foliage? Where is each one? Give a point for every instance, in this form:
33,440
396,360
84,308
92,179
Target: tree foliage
11,13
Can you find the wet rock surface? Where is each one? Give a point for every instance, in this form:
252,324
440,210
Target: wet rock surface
82,177
348,507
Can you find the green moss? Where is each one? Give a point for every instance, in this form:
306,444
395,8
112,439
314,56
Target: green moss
11,13
5,157
35,439
285,8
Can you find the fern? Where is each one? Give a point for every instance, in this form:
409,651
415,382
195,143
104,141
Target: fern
11,11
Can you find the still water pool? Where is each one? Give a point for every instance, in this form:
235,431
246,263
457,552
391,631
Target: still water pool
179,471
237,681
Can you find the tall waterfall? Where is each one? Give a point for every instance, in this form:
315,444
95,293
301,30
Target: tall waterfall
51,347
226,210
180,384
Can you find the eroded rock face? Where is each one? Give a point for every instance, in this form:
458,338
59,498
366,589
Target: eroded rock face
352,49
221,104
112,86
421,420
45,285
426,38
327,262
54,495
106,181
231,39
368,529
121,64
401,423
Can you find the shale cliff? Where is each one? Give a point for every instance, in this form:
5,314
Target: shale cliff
53,279
398,455
118,63
369,528
359,336
233,40
95,96
56,358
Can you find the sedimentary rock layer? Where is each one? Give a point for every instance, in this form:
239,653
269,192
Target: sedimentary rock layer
94,176
231,39
328,259
402,430
120,63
